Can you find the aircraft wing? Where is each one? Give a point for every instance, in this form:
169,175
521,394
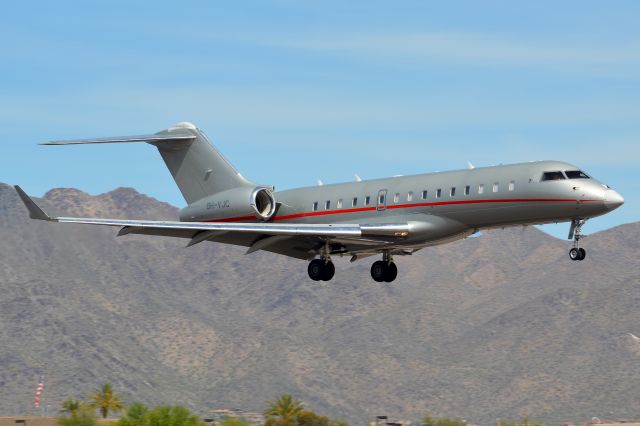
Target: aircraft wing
258,236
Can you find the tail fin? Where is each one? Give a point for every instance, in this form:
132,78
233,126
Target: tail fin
197,167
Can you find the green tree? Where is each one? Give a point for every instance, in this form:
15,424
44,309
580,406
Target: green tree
170,416
105,400
134,415
283,411
81,417
71,406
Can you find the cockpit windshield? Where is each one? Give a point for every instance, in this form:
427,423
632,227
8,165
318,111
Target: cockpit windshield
576,174
552,176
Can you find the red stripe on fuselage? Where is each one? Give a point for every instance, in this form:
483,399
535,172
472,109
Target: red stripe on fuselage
324,212
408,206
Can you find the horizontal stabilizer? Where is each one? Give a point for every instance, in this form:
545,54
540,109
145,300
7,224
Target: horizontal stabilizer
177,137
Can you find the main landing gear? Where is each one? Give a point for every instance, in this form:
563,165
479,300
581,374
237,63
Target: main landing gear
384,270
575,233
321,269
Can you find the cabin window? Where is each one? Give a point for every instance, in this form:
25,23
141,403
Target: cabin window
512,186
315,206
410,196
496,186
367,200
576,174
339,204
452,193
424,195
438,193
481,188
354,202
381,199
396,197
552,176
467,190
327,205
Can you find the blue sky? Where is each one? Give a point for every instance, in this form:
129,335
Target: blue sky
292,92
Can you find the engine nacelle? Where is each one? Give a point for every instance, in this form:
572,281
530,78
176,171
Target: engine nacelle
263,203
239,203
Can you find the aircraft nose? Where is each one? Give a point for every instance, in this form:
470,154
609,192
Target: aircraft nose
612,200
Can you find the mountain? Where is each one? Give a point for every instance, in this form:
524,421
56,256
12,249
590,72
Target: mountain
500,325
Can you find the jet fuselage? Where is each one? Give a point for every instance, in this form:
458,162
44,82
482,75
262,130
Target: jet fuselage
443,206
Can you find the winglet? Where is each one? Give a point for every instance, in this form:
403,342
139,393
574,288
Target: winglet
35,212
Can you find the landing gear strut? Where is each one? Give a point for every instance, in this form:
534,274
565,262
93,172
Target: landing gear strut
384,270
575,233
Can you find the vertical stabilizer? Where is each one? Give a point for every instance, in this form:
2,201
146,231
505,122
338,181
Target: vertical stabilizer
197,166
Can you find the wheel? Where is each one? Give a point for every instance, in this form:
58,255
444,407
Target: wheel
583,253
315,269
574,254
391,272
378,271
328,271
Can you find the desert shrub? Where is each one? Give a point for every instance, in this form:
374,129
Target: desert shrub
81,417
443,421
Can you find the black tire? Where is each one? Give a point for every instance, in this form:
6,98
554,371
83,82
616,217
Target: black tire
574,254
315,269
583,253
391,273
328,271
378,270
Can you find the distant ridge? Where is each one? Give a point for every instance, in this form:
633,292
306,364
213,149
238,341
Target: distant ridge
503,325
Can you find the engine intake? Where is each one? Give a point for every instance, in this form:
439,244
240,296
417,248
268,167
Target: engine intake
263,203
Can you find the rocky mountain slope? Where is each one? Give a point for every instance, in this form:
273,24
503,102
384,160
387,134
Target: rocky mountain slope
500,325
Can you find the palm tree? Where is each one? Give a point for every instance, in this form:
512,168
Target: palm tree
105,400
284,410
71,406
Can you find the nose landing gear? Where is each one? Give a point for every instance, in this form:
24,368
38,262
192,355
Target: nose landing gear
385,269
575,233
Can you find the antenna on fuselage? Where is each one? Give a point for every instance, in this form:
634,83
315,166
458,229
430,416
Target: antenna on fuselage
470,166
